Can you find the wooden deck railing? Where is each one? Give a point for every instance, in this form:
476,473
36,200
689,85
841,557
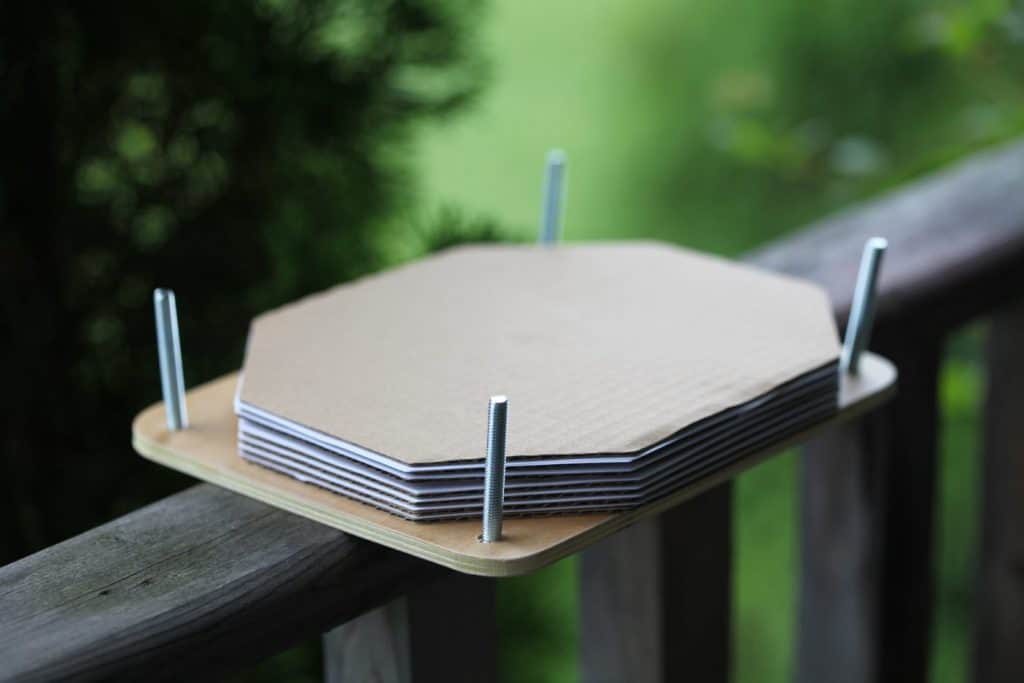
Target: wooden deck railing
207,582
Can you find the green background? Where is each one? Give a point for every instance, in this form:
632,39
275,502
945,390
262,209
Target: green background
719,126
248,152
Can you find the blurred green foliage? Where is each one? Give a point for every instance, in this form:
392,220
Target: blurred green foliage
719,125
245,153
242,153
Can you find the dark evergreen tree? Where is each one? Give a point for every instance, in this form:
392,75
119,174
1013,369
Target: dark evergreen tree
240,152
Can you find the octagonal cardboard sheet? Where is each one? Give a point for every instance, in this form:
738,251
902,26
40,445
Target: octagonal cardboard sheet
602,349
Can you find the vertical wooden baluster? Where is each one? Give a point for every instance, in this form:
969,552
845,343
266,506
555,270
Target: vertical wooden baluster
840,520
866,533
444,631
655,598
999,629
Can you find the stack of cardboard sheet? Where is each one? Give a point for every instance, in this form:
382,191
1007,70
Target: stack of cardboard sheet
631,370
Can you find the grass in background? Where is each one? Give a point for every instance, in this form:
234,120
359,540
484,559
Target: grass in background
765,571
538,636
961,394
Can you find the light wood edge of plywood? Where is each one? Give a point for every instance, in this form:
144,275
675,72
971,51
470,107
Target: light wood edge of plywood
352,524
875,384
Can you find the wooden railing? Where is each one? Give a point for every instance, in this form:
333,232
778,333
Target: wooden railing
207,582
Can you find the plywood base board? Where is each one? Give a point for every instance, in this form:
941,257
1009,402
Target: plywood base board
208,450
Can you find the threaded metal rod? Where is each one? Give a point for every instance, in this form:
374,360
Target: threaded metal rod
554,190
168,344
862,310
494,472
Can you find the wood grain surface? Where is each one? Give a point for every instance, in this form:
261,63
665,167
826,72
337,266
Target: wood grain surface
202,576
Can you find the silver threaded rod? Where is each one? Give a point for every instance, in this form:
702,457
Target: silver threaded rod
554,190
494,472
168,343
862,310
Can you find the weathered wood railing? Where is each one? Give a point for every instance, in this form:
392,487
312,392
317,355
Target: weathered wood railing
206,582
